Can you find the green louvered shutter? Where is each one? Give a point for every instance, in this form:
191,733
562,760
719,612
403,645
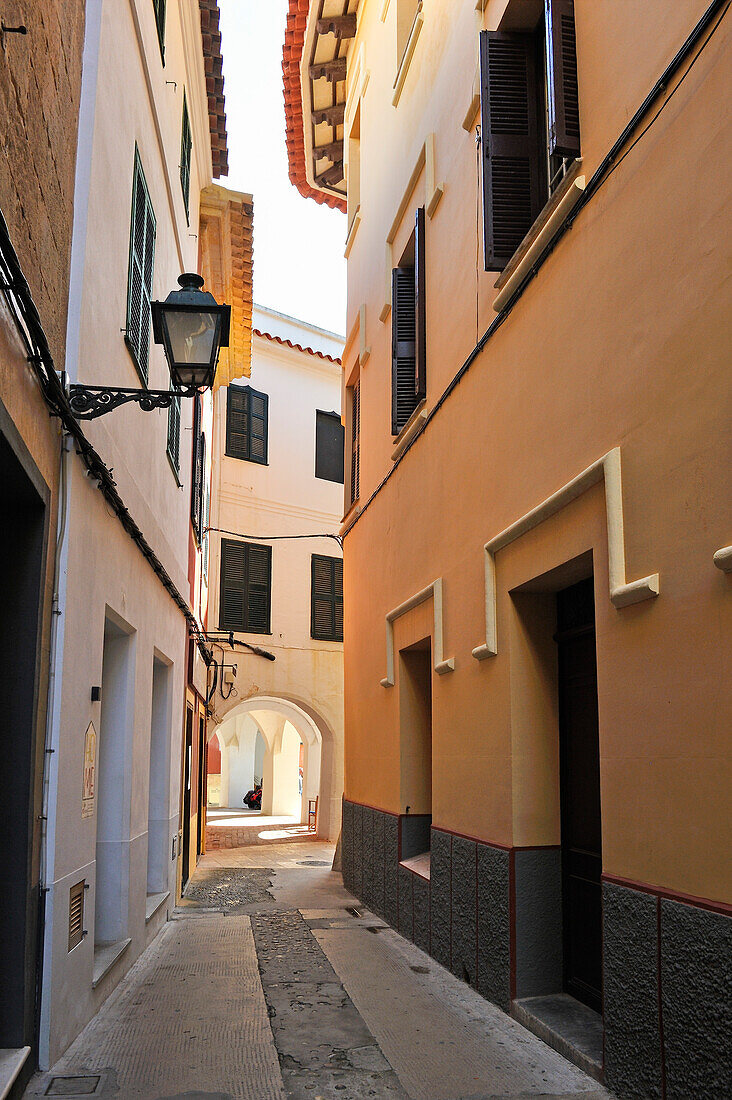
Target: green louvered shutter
140,272
159,9
174,433
246,581
326,605
247,416
185,156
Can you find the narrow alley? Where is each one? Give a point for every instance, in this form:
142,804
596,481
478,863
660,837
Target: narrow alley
272,981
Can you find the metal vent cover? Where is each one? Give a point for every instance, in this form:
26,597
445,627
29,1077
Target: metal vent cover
76,918
73,1086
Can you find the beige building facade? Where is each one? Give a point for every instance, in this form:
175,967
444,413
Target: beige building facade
537,514
276,577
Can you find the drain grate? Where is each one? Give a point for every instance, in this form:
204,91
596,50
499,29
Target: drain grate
313,863
73,1086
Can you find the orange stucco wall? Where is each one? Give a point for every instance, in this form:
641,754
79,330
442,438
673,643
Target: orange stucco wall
622,340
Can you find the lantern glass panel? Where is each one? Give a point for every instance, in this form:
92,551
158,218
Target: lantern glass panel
191,336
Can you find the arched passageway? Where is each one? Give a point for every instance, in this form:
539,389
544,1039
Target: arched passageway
278,744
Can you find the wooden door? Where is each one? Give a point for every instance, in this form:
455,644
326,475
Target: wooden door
580,795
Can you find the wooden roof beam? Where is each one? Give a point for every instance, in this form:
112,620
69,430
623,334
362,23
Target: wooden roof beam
333,151
331,176
333,115
331,70
342,26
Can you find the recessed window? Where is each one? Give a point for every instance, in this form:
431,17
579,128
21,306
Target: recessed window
247,414
353,171
530,120
406,13
199,472
354,401
159,9
329,444
326,598
408,321
140,272
246,587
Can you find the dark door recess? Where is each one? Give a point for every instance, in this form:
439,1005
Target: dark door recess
187,768
580,794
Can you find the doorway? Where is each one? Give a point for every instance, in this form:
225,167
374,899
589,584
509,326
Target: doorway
415,729
579,770
187,769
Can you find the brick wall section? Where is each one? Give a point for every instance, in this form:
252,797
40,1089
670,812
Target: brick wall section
40,86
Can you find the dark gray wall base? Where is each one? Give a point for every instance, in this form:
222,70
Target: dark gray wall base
462,910
538,878
391,869
406,904
630,967
696,984
440,896
421,901
494,925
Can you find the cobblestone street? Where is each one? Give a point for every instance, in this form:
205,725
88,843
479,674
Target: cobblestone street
271,981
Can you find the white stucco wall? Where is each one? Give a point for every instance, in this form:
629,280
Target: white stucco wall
285,498
126,101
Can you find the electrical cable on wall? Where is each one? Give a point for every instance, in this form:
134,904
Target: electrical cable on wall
273,538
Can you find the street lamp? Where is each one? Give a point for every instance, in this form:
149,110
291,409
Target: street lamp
192,327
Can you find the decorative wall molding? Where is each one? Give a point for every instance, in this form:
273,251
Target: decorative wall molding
433,192
622,592
406,61
441,664
723,559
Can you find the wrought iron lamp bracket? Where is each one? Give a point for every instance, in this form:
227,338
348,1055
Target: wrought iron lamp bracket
89,402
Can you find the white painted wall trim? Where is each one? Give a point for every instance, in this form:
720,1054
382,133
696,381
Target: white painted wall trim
622,592
406,61
433,192
441,664
723,559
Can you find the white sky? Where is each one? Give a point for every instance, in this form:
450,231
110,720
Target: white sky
298,246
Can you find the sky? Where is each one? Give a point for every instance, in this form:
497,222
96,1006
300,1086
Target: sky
299,267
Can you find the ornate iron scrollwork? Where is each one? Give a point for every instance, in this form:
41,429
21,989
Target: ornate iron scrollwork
88,402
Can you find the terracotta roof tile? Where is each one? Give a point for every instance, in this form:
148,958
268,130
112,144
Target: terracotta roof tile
297,18
297,347
213,66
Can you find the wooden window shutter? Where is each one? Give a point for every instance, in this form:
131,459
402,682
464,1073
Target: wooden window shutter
329,446
514,168
326,614
420,310
403,347
174,433
561,67
198,464
140,272
247,416
355,442
246,575
76,914
186,144
159,8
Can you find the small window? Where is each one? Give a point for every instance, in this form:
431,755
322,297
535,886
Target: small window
185,156
406,14
140,272
326,598
530,122
174,435
246,583
353,172
76,914
159,9
329,444
408,320
247,414
355,485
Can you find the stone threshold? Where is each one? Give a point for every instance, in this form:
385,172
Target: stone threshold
12,1061
105,956
419,865
566,1025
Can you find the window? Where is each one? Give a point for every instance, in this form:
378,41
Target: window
246,424
140,272
355,486
246,583
353,168
199,472
159,9
174,435
326,598
185,156
329,445
530,112
405,16
408,319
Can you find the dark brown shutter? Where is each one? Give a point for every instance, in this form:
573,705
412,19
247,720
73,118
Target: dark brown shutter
259,575
420,310
355,442
258,418
514,168
237,422
233,585
561,64
326,619
329,446
198,466
403,347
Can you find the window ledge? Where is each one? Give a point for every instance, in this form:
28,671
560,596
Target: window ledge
105,956
409,49
566,196
153,902
419,865
411,429
352,231
12,1061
